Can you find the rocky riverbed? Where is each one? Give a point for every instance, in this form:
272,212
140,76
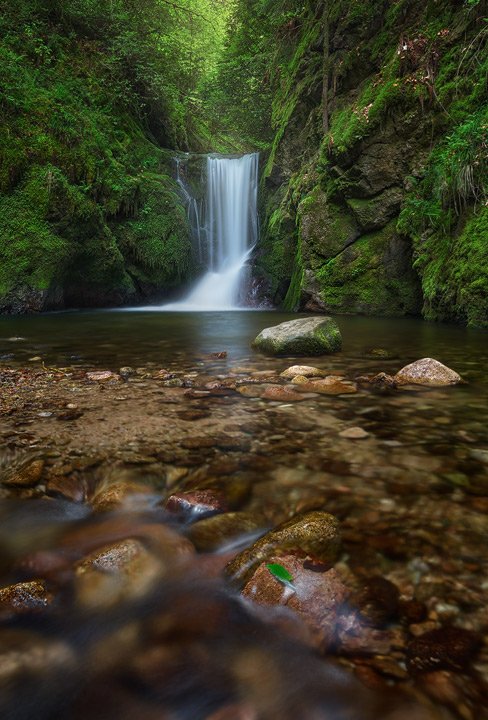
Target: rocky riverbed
347,511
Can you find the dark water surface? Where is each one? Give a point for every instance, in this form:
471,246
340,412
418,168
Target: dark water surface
115,338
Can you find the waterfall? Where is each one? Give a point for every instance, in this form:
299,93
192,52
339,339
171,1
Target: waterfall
225,230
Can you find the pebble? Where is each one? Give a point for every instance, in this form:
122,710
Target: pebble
446,648
197,504
354,433
25,597
305,371
281,394
102,376
26,474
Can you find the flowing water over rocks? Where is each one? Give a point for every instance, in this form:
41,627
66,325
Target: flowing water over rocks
181,540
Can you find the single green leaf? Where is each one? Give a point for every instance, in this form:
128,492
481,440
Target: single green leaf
280,573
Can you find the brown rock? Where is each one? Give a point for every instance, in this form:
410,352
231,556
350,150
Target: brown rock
354,433
212,533
102,376
279,393
330,385
303,370
413,611
197,504
116,573
317,597
24,598
118,495
315,533
427,372
377,600
448,648
357,638
25,474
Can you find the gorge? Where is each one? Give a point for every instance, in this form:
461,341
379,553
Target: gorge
213,513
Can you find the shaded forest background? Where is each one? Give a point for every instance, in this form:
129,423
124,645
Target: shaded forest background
371,118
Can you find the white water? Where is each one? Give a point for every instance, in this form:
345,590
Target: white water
225,231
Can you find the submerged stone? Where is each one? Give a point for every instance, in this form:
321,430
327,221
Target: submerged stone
427,372
314,533
306,336
303,371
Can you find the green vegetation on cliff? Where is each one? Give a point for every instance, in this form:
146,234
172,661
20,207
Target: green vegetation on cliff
397,147
89,92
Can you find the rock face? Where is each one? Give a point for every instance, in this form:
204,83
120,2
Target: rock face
428,372
314,533
365,232
306,336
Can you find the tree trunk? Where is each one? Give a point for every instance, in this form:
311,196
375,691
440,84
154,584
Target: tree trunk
325,79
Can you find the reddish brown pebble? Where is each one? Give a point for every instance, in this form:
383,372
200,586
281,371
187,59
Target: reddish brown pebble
197,504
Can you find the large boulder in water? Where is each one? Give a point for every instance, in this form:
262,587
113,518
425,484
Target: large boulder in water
306,336
428,372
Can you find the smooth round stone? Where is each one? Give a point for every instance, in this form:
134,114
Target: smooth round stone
305,336
303,370
427,372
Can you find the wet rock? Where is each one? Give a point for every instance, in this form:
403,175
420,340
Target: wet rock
197,504
102,376
198,443
72,488
447,648
120,495
354,433
356,638
300,380
330,385
278,393
24,475
377,600
69,415
413,611
318,597
213,532
304,370
427,372
127,372
315,533
115,573
381,381
306,336
23,655
24,598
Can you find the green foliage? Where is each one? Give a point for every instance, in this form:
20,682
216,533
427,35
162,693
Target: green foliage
280,573
87,90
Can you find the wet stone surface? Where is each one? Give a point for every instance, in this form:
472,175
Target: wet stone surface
141,506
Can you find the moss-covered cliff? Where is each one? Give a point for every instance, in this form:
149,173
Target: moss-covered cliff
89,212
380,207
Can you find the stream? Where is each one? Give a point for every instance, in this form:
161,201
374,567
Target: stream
140,454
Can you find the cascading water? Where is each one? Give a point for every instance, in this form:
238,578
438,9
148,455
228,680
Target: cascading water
225,229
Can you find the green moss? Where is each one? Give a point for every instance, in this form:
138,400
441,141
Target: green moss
454,272
156,243
371,277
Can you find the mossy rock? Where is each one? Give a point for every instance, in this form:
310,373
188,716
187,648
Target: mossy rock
373,276
306,336
375,213
325,229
